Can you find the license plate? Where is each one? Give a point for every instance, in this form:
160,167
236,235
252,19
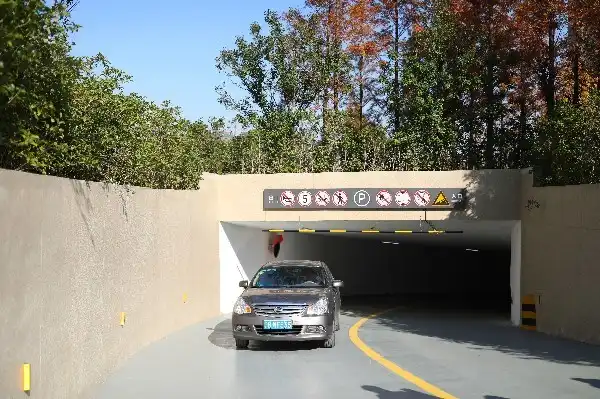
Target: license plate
277,324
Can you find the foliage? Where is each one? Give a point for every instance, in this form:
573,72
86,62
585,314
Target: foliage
68,116
36,75
575,130
343,85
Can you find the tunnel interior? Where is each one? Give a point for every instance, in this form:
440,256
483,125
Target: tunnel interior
425,272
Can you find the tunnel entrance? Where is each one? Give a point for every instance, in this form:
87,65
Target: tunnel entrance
457,267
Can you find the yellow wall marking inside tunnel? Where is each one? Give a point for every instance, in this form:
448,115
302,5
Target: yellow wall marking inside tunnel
388,364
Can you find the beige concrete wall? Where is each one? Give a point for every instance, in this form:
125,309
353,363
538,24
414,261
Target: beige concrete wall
73,257
561,258
494,194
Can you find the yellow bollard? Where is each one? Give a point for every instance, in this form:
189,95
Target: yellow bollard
528,313
26,375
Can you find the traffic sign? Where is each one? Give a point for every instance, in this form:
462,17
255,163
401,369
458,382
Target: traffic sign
422,197
441,200
340,198
380,198
322,198
287,198
362,198
304,198
384,198
402,198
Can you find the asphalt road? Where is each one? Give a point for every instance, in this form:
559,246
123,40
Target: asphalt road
464,354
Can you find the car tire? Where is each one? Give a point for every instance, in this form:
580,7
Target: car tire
330,342
241,343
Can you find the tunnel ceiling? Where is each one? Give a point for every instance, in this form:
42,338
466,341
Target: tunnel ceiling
475,234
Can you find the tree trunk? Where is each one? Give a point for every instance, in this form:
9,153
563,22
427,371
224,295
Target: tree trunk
575,54
471,150
522,125
489,94
327,56
551,84
396,67
361,91
337,45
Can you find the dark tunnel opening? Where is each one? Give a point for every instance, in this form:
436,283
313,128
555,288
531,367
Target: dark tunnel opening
464,280
385,272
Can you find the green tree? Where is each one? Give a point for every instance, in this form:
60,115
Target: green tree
36,76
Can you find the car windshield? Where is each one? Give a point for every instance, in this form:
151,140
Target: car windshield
289,277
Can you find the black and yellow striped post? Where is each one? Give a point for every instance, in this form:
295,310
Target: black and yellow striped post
528,313
368,231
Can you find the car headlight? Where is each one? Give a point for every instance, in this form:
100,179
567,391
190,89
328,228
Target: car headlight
241,307
318,308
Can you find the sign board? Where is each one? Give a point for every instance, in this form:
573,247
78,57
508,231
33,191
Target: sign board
383,198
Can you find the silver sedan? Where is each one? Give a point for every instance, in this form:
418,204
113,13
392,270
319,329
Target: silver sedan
288,301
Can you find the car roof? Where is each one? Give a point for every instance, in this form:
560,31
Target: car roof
300,263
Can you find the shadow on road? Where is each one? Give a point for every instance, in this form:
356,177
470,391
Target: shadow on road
480,328
593,382
221,336
401,394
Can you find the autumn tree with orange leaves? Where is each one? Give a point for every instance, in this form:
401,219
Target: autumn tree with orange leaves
461,83
337,85
365,47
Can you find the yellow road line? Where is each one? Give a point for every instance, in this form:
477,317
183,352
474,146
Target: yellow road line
388,364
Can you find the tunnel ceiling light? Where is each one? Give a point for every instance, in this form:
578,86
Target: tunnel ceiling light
390,242
472,250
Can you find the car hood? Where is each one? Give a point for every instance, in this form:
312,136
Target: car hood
283,295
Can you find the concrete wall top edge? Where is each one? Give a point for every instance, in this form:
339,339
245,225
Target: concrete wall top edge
380,172
57,180
466,175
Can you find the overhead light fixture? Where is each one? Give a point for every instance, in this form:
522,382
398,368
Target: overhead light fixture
472,250
390,242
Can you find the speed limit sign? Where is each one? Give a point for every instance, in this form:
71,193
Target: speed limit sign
304,198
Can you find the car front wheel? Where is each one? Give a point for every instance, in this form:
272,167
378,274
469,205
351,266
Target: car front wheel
241,343
330,342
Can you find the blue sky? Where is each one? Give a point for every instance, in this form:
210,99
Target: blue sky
169,50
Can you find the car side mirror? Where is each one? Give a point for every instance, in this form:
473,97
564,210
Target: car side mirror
243,284
338,283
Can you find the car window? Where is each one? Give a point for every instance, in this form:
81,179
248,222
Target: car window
290,277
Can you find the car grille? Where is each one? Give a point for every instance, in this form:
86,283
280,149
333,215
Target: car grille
282,310
294,331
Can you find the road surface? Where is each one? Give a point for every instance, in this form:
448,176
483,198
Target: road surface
418,354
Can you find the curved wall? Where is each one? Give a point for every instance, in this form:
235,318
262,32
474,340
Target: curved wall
74,255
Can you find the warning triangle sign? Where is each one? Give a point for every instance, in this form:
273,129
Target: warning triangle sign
440,200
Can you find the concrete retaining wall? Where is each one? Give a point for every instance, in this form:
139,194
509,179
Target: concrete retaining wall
73,256
561,258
